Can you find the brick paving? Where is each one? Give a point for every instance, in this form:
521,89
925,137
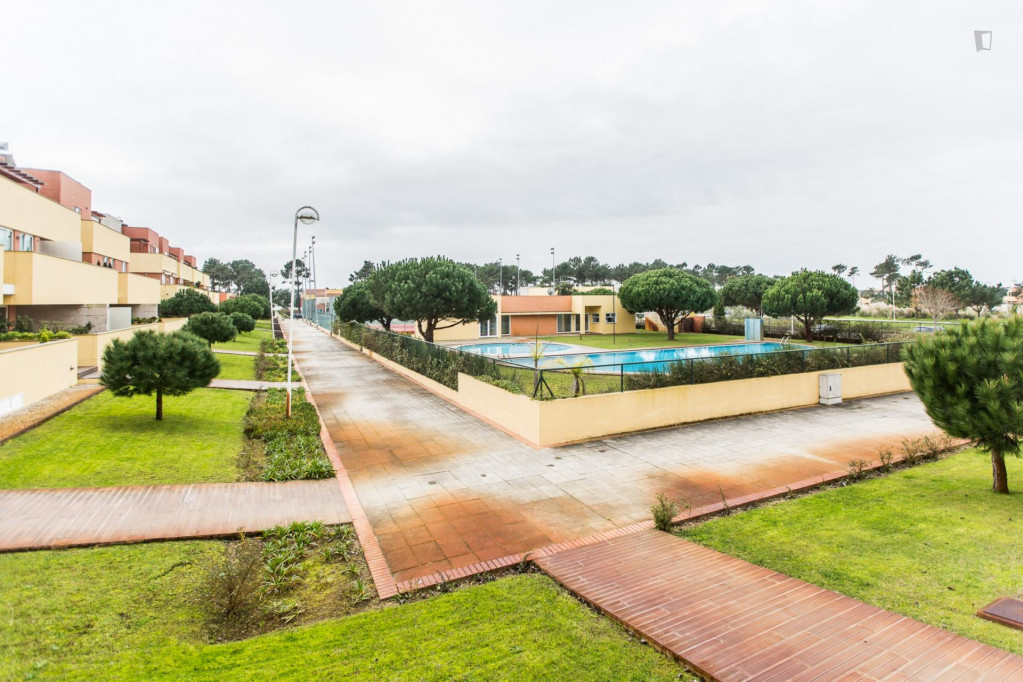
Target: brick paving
444,490
65,517
731,620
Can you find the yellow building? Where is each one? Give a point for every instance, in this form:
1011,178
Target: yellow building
543,315
64,264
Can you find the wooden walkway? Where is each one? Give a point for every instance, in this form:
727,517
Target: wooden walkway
731,620
68,517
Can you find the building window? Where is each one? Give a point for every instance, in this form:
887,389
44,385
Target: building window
27,242
489,327
505,325
565,323
78,210
595,318
6,239
609,317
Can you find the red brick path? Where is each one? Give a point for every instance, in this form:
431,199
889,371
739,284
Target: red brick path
731,620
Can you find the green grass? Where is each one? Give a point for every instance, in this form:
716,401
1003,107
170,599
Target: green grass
248,341
236,366
638,339
126,613
117,441
932,542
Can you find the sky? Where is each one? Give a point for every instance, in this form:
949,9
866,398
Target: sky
781,134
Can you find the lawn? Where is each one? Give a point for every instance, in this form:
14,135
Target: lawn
932,542
639,339
247,341
236,366
127,612
117,441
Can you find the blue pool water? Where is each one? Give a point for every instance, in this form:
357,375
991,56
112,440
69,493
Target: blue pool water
494,350
657,359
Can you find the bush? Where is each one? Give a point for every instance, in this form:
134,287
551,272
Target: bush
293,458
213,327
265,418
242,322
253,305
664,512
185,303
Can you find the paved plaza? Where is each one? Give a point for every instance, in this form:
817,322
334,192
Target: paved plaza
443,489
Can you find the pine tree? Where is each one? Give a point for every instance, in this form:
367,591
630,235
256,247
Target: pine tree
164,364
970,380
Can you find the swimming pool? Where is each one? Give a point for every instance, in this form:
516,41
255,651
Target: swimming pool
659,359
495,350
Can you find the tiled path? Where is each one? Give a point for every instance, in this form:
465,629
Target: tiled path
732,620
30,416
445,490
65,517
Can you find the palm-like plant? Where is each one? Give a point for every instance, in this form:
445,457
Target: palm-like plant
577,370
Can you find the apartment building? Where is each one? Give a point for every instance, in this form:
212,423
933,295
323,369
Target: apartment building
63,262
152,256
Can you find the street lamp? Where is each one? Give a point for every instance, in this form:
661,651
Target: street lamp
273,276
553,267
500,276
517,269
307,215
316,299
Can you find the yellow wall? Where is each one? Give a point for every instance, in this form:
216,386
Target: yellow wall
168,290
137,289
40,279
101,239
24,210
91,346
603,305
39,370
152,263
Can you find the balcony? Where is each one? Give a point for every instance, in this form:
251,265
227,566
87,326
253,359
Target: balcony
135,289
24,210
152,263
168,290
40,279
97,238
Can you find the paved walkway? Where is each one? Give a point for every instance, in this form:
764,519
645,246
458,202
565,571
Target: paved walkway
234,352
731,620
66,517
444,490
247,385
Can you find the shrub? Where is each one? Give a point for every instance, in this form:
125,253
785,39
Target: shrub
24,324
293,458
886,457
230,589
253,305
185,303
664,512
243,322
858,468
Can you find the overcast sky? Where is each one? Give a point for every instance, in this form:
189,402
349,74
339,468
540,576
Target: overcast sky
780,134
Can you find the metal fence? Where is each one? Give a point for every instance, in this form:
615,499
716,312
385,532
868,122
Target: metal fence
841,331
544,382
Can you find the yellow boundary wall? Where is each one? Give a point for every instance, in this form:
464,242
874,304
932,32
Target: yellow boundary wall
91,346
545,423
37,371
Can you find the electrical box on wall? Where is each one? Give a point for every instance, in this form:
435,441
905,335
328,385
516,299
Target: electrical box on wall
831,389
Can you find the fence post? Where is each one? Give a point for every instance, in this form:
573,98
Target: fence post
848,355
621,378
887,353
803,358
690,371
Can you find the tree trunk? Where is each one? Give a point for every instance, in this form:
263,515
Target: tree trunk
669,322
386,324
1000,482
808,328
159,408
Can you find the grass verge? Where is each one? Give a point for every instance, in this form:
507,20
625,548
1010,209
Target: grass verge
117,441
125,613
931,542
248,341
237,366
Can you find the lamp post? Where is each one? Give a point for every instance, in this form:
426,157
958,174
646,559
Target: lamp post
273,276
308,215
500,276
316,300
553,268
517,270
614,311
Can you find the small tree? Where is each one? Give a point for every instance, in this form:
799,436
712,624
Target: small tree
809,296
935,302
255,306
671,293
986,296
435,292
242,322
353,305
214,327
748,291
185,303
970,380
152,362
